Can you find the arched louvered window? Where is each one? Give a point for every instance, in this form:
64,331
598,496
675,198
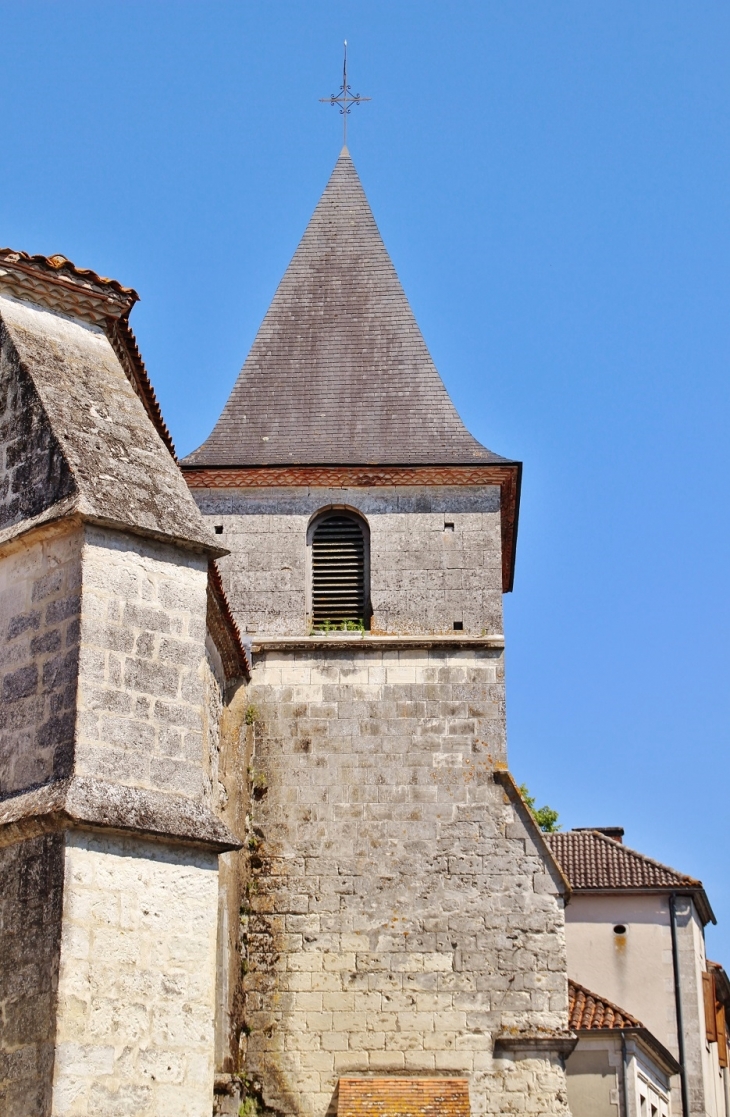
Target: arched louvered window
340,593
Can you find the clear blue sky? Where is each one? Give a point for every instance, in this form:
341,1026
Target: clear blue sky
551,180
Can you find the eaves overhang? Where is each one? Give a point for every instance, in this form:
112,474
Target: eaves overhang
697,894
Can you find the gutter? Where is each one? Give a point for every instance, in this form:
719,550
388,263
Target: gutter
625,1066
678,1002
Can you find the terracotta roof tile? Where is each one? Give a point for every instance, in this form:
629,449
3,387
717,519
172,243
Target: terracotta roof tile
588,1010
403,1097
339,371
591,860
62,267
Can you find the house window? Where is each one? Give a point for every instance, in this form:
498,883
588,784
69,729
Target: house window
340,591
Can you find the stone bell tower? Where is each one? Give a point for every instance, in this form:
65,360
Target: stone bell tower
404,929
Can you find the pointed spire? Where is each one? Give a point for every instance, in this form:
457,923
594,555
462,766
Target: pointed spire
339,372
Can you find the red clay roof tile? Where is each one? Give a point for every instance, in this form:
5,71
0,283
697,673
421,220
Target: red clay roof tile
588,1010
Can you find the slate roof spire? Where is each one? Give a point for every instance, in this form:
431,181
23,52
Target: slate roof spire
339,372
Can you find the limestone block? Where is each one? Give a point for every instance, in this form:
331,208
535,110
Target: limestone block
423,578
141,692
135,1012
398,916
40,592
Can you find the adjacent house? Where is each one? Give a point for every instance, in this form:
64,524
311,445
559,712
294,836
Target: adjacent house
635,932
618,1065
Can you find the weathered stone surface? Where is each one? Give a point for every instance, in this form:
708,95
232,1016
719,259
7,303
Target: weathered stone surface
34,475
31,893
116,726
402,916
424,576
87,802
87,428
40,605
142,655
136,985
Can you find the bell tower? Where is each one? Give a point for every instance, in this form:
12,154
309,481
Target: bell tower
404,928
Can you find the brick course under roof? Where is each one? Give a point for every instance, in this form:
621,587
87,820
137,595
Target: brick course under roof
339,371
588,1010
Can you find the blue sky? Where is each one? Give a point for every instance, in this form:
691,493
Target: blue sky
551,180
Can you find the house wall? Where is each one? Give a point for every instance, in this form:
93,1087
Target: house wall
634,970
423,578
704,1083
400,916
594,1075
136,986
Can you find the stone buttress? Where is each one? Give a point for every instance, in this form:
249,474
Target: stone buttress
115,663
404,917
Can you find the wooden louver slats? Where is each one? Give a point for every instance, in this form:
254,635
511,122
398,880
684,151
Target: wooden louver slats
338,571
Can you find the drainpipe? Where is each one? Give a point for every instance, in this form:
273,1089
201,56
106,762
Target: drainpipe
678,1003
625,1065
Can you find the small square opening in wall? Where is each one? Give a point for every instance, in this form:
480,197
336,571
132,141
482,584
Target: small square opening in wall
458,626
448,525
218,529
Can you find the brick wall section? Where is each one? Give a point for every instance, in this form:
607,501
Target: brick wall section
31,890
423,578
400,915
136,980
141,680
33,471
40,584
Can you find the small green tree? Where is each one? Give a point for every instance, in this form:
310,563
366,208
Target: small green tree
545,817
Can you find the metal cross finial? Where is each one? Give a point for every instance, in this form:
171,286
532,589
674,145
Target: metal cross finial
345,99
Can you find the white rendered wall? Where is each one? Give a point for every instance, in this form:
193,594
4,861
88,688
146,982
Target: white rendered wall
634,970
137,980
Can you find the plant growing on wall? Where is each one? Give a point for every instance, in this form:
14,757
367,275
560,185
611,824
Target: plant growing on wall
545,817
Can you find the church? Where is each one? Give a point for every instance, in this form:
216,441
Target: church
260,848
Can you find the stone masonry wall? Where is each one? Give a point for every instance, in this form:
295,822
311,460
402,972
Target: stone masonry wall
137,980
40,584
142,668
423,575
33,471
400,915
228,753
31,891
